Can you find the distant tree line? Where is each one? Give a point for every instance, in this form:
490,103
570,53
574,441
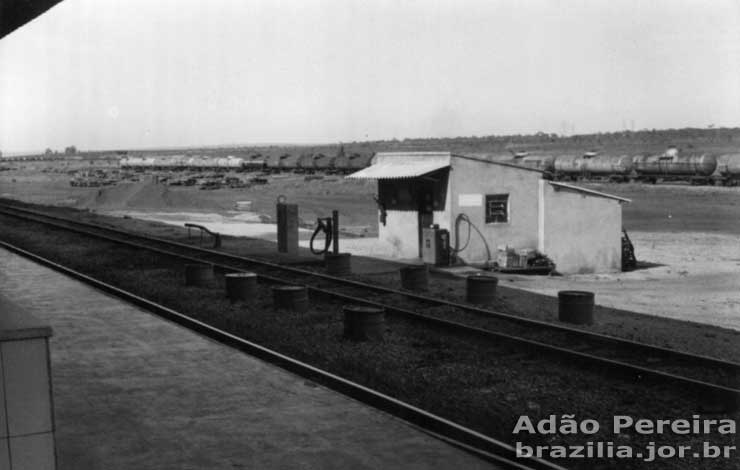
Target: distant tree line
71,150
645,140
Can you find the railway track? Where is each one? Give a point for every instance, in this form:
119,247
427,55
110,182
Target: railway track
501,454
716,381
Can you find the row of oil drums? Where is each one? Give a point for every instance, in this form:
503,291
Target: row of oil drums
698,167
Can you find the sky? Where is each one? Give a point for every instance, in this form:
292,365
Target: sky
107,74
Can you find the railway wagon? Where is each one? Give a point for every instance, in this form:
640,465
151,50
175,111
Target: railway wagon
195,163
608,167
568,167
256,164
670,166
130,162
541,162
278,163
346,164
229,163
137,163
728,169
314,162
323,163
304,163
168,162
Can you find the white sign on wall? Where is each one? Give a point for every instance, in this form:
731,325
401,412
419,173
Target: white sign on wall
470,200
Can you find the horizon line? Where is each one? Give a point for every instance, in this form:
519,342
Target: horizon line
342,142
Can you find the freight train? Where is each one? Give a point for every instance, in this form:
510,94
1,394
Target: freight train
319,163
192,163
697,168
276,163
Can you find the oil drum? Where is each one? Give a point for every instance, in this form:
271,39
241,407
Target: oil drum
363,323
481,289
576,306
338,264
240,286
294,298
415,277
199,275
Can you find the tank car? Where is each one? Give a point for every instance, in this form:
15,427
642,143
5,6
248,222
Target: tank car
272,161
568,167
358,161
127,162
168,162
148,162
540,162
256,162
612,167
670,166
341,162
323,163
287,162
728,169
228,163
234,163
203,162
254,165
304,163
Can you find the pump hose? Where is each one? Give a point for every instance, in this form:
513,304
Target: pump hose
460,218
327,238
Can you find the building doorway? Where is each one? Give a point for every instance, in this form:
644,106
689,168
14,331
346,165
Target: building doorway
425,210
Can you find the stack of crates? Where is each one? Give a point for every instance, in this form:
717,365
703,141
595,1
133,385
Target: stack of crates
511,258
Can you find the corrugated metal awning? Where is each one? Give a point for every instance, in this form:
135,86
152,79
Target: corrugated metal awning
390,166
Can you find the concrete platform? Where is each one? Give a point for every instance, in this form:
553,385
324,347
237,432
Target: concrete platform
134,391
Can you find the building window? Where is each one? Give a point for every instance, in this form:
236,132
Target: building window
497,208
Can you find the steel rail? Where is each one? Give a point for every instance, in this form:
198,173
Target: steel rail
604,339
478,444
727,395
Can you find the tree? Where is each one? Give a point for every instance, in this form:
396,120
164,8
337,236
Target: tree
71,150
48,151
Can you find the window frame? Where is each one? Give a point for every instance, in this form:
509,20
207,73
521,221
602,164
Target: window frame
507,208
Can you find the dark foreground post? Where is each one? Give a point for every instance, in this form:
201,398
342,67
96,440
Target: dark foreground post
287,222
335,230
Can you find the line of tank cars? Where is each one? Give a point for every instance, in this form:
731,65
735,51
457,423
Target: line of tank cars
672,165
305,163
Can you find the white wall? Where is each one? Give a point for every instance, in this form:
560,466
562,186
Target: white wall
581,233
475,179
401,232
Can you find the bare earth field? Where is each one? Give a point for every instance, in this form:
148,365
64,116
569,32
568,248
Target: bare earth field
686,237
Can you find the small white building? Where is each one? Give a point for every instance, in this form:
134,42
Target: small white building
506,206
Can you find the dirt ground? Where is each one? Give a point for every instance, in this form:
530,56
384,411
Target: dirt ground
686,237
697,278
